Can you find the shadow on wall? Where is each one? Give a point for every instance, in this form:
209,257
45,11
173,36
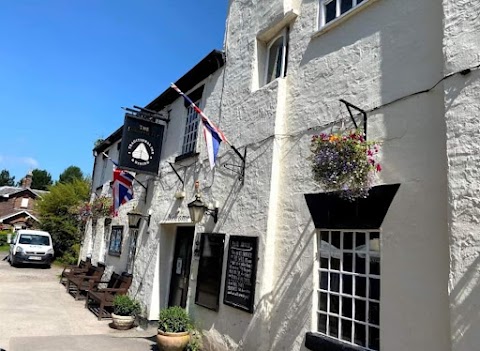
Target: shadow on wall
287,298
465,316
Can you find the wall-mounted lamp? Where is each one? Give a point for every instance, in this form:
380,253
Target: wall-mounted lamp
197,209
134,218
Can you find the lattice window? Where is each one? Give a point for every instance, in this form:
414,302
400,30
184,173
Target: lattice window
333,9
348,287
191,131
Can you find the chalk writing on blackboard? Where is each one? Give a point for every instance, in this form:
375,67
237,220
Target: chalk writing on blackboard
241,271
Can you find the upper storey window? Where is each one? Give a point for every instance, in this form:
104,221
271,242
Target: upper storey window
333,9
277,50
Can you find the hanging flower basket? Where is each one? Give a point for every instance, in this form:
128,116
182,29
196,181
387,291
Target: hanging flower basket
344,163
102,207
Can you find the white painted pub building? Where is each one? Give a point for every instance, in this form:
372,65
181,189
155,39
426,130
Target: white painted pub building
277,263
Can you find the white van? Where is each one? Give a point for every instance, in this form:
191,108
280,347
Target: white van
31,246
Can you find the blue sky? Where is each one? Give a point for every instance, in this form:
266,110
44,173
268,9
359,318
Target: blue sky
66,68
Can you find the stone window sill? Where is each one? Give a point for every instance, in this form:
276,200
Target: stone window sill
186,156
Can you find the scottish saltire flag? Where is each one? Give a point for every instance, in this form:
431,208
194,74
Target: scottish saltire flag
122,189
213,135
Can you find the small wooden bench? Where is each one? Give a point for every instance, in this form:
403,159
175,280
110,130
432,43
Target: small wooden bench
98,300
71,270
79,283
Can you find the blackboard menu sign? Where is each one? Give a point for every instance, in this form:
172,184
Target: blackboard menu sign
241,272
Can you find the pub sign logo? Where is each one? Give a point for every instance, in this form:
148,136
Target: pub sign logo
141,145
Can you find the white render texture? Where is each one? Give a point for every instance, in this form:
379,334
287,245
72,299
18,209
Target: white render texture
378,58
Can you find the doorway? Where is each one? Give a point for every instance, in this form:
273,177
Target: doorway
182,258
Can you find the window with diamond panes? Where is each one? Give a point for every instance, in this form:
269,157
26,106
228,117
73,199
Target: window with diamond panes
332,9
348,288
191,130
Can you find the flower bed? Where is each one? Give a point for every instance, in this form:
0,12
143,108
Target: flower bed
344,163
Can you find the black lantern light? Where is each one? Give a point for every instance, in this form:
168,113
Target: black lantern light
134,218
197,209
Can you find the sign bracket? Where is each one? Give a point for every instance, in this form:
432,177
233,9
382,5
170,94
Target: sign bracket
241,172
363,112
178,175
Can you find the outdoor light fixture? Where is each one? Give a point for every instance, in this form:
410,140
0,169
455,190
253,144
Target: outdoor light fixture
134,218
197,209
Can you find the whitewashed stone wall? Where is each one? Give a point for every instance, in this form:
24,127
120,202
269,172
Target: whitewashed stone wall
387,51
462,110
377,59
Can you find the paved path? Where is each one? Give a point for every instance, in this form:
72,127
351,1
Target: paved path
33,304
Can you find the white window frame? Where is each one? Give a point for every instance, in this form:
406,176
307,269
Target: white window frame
190,135
24,203
371,253
283,71
323,10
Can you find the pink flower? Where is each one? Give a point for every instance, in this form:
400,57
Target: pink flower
378,168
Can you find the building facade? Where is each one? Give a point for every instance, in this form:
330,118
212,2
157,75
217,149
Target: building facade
395,271
17,205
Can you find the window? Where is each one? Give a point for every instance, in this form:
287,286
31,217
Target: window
348,287
24,203
115,246
209,278
276,63
34,240
332,9
132,249
191,130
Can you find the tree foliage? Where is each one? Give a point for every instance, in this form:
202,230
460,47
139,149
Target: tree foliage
41,179
70,173
6,179
57,217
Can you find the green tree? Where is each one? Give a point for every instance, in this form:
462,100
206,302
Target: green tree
41,179
70,173
5,178
57,217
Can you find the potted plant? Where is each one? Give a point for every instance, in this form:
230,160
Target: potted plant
344,163
125,310
174,326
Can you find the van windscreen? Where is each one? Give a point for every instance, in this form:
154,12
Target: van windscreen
32,239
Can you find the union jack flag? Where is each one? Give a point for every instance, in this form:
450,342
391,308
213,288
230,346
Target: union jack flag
122,189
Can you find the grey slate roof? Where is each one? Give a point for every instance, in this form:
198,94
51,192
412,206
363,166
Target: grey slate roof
10,190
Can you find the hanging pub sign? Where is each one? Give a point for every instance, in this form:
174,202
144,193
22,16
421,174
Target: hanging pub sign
141,145
241,272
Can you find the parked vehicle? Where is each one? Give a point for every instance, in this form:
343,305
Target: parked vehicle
32,247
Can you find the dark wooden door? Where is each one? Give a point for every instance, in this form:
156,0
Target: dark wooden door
182,259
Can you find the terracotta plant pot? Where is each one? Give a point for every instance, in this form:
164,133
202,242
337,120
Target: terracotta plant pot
172,341
122,322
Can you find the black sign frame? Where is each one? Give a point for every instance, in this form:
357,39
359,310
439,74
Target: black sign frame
146,138
203,272
242,244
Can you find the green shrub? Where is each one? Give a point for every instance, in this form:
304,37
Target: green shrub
3,240
124,305
71,255
195,343
174,320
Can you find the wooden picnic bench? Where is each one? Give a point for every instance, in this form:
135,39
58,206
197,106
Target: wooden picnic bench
71,270
79,283
99,299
